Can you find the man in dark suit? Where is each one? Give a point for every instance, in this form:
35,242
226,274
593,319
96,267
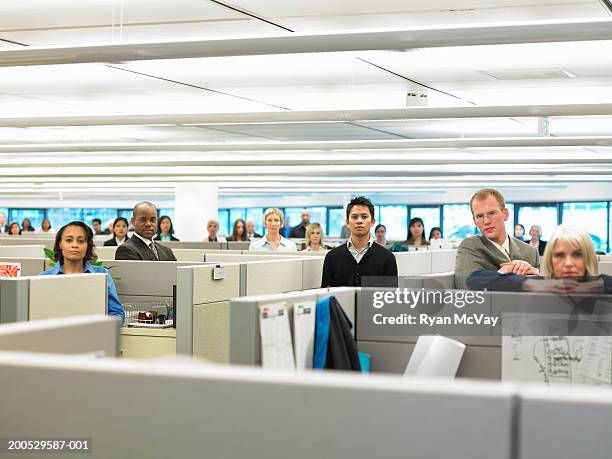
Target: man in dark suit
299,231
250,229
493,250
360,262
141,245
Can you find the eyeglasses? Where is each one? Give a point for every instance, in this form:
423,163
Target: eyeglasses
491,215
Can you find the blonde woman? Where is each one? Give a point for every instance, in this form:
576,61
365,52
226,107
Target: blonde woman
273,221
314,239
569,266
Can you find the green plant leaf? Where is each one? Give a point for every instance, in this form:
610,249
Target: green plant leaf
50,254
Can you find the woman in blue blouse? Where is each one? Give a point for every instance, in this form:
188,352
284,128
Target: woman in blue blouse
74,249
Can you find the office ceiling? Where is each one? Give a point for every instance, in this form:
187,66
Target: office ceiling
69,159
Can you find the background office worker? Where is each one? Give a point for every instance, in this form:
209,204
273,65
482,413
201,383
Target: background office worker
141,245
299,231
250,230
120,230
273,221
360,257
3,225
493,249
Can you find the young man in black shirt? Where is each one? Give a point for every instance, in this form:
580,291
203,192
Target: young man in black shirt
360,261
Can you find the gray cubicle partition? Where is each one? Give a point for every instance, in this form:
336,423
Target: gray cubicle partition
139,281
194,245
238,245
203,309
564,422
190,409
23,240
66,335
244,324
202,327
22,251
45,297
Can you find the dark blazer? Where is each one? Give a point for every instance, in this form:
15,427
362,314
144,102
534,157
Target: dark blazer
341,270
135,249
112,242
541,246
172,238
477,253
298,232
492,280
255,236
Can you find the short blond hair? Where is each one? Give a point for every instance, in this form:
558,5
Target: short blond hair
273,210
578,239
484,193
309,230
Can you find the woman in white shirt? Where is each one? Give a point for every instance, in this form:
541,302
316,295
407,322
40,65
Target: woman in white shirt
213,228
45,227
314,239
273,221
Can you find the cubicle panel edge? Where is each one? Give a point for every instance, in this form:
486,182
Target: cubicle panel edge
374,416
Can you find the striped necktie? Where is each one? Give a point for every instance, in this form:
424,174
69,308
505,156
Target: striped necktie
153,249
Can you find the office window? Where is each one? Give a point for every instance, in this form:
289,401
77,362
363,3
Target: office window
458,222
224,223
36,216
337,218
62,215
166,211
591,217
545,216
125,213
429,215
395,219
106,215
255,214
510,222
318,215
293,215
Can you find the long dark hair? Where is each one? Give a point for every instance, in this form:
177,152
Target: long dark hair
120,219
90,254
243,236
161,219
412,222
11,225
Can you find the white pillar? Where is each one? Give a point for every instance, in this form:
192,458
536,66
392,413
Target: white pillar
194,204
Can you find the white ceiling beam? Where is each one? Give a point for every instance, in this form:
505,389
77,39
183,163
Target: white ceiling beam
353,145
417,37
323,116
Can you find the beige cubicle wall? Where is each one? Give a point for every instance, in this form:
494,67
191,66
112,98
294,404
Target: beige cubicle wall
425,262
150,410
605,267
67,335
203,311
108,253
202,327
29,266
27,240
194,245
46,297
22,251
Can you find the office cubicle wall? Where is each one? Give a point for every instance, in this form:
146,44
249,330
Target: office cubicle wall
66,335
238,245
139,281
244,322
605,268
159,409
425,262
194,245
203,310
311,270
46,297
564,422
202,327
37,239
22,251
29,266
108,253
